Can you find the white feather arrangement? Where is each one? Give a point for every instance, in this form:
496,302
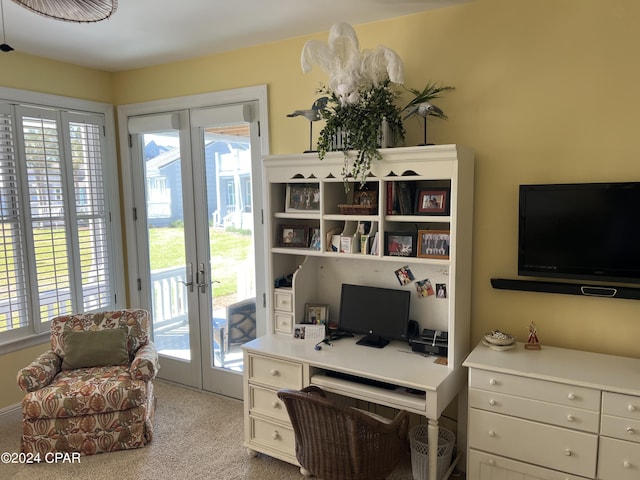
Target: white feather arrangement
349,69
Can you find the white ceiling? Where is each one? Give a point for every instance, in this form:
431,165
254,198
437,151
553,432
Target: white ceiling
142,33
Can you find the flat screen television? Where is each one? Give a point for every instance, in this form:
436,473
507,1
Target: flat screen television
381,314
585,231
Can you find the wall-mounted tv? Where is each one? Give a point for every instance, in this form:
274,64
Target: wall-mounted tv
585,231
382,314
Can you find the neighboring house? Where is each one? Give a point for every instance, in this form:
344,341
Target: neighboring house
228,169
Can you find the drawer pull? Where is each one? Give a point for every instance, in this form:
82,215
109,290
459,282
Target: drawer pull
491,462
571,418
274,373
631,408
631,431
571,396
275,435
275,404
493,381
567,452
492,402
626,464
491,433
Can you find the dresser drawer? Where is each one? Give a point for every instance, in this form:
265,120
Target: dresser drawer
621,428
266,402
560,415
283,300
274,372
580,397
618,460
485,466
620,405
283,322
553,447
273,435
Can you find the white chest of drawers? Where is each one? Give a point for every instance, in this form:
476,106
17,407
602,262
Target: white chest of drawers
554,414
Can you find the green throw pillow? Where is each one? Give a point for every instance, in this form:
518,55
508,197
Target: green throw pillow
95,348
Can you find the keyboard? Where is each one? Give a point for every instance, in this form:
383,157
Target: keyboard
363,380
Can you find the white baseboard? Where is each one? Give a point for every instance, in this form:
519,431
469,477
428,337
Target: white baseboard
10,409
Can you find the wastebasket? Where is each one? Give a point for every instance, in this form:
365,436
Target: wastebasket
418,439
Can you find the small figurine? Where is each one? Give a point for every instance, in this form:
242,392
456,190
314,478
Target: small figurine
532,342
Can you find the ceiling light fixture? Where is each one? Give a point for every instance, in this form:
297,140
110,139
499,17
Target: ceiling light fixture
4,47
82,11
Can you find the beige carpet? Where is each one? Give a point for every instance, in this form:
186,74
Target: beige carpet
197,436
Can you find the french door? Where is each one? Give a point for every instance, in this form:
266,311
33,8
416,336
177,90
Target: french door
196,185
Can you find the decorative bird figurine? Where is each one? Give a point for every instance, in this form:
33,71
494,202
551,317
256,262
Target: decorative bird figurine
313,114
424,109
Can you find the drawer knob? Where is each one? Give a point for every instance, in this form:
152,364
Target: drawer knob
275,404
567,452
631,408
274,373
492,402
631,430
571,418
493,381
626,464
491,433
275,435
571,396
491,461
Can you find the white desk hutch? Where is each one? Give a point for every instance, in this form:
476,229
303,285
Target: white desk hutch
277,360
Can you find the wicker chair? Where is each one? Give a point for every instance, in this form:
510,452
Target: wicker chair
343,443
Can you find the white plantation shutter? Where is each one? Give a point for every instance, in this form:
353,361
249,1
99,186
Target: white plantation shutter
13,306
57,246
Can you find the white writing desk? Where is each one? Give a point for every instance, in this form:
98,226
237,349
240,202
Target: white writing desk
273,362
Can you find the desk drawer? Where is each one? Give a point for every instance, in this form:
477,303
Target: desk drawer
266,402
273,435
283,322
554,447
626,406
275,373
560,415
580,397
621,428
283,301
618,460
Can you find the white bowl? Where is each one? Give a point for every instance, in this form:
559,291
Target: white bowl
499,338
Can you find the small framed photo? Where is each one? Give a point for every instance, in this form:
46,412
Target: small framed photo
316,314
314,234
302,197
434,244
293,236
367,198
400,244
432,201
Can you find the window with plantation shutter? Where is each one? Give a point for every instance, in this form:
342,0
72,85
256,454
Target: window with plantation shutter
55,217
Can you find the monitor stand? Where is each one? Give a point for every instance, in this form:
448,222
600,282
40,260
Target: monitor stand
375,341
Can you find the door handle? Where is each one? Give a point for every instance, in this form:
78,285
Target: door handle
189,277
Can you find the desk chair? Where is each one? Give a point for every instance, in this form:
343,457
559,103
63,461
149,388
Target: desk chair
343,443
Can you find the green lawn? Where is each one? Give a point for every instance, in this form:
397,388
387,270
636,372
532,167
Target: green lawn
228,251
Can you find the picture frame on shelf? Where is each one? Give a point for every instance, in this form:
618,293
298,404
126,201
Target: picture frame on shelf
432,201
400,244
316,314
302,197
315,242
434,244
365,198
294,236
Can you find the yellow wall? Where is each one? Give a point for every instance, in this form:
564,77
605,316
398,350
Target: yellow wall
546,91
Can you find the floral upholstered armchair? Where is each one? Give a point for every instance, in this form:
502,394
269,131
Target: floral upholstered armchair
93,391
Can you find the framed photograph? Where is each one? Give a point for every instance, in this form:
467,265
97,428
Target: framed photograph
433,201
302,197
365,197
316,314
400,244
314,234
293,236
434,244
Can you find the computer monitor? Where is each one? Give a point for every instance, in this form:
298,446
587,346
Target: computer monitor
381,314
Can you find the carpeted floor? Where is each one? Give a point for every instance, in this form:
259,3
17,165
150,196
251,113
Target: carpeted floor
197,436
